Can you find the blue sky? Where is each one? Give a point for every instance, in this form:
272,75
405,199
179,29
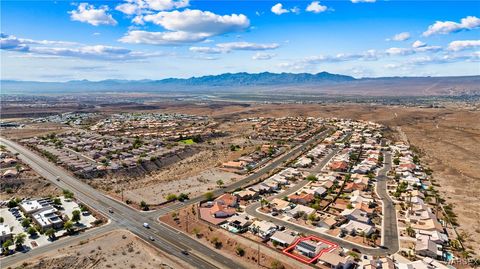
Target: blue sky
154,39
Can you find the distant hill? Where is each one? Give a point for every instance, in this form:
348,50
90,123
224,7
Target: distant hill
323,83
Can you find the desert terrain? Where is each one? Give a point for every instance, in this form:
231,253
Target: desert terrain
128,251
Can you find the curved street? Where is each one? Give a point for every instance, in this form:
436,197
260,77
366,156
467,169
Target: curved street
389,222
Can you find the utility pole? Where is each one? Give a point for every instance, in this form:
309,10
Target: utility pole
258,254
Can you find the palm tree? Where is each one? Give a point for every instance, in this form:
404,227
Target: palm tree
68,226
19,240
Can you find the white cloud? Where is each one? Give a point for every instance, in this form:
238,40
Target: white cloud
131,7
399,51
363,1
446,27
53,48
278,9
247,46
197,21
128,8
315,7
408,51
89,14
186,26
263,56
228,47
295,10
418,44
166,4
401,36
207,50
463,45
162,38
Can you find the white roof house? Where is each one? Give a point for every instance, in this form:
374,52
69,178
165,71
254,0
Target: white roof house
357,227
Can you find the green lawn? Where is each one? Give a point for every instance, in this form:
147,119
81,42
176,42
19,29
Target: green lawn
187,141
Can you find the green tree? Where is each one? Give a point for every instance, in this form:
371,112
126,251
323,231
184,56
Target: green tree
26,222
410,231
50,233
2,220
208,196
6,245
217,243
31,231
68,194
76,216
57,201
20,239
220,183
312,216
263,202
18,167
171,197
182,197
240,251
68,225
311,178
12,203
144,205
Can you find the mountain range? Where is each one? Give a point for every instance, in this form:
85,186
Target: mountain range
266,82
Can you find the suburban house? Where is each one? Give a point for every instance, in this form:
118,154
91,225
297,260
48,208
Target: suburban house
427,248
227,199
263,229
302,198
356,214
310,248
219,210
238,223
300,210
355,227
284,238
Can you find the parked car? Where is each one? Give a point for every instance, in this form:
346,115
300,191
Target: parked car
146,225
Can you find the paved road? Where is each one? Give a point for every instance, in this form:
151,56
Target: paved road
167,239
389,224
390,221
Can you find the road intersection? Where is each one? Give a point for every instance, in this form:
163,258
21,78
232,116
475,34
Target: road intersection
165,238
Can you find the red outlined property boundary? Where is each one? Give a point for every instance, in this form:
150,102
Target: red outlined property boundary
331,247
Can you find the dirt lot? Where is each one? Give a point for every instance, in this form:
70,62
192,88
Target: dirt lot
128,251
30,184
